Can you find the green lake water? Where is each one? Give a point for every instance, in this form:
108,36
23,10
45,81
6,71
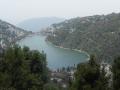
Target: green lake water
56,57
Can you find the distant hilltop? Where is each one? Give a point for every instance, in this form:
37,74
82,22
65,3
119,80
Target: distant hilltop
36,24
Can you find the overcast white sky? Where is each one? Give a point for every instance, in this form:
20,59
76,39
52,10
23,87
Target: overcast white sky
15,11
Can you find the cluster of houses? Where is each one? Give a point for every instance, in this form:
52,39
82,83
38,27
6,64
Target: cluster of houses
62,77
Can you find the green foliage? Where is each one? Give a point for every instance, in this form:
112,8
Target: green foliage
51,86
22,69
89,76
116,74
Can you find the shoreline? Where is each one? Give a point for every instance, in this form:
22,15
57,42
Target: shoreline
80,51
18,39
23,37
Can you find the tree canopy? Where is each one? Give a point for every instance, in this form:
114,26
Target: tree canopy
22,69
89,76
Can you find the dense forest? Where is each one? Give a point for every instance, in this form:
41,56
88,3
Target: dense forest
98,34
22,69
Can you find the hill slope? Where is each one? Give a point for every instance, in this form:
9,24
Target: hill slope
36,24
99,35
10,33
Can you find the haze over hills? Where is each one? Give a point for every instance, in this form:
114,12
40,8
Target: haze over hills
99,35
36,24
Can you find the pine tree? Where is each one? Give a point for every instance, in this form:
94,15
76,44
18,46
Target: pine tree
23,69
89,76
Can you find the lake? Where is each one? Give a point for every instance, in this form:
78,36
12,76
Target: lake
56,57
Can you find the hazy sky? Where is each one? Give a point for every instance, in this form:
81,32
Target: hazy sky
15,11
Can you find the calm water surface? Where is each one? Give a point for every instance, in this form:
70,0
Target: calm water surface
56,57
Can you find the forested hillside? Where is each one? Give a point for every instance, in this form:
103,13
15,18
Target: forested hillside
99,35
9,33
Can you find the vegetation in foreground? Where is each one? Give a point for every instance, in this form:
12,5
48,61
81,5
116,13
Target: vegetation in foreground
25,69
93,76
22,69
90,76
